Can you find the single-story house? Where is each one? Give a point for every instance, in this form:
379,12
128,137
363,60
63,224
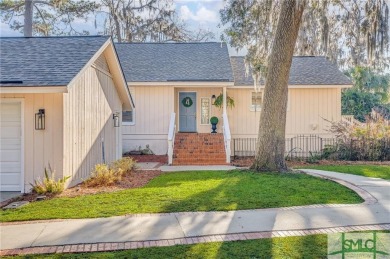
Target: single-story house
174,86
61,101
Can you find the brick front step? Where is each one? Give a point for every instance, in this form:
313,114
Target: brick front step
199,149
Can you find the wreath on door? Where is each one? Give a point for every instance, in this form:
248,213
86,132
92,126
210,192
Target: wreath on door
187,102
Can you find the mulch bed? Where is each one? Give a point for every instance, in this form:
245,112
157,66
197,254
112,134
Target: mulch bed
248,161
136,179
163,159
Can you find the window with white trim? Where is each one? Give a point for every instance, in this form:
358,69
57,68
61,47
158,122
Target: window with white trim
256,101
128,117
205,106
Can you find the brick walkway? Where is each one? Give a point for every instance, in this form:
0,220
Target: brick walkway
115,246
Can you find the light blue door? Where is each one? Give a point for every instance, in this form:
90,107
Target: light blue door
187,112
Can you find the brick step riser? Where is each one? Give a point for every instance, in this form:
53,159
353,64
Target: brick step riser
199,149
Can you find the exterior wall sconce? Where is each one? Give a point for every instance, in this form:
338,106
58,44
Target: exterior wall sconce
40,119
115,117
213,97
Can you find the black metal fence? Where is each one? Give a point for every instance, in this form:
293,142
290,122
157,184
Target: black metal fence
309,146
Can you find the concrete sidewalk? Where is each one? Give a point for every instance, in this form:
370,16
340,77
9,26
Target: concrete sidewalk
174,226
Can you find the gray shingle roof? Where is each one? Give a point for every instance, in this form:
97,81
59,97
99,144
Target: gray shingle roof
159,62
45,61
304,71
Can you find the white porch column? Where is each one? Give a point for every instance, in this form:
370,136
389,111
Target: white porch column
224,100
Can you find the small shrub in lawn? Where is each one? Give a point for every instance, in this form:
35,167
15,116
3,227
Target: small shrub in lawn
126,164
49,185
102,175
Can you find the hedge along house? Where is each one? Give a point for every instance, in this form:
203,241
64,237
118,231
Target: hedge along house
61,101
174,86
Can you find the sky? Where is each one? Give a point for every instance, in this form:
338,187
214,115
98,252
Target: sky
197,14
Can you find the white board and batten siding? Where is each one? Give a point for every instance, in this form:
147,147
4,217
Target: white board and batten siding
89,128
153,108
307,113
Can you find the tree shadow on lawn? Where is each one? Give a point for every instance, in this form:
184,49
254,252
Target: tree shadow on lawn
238,190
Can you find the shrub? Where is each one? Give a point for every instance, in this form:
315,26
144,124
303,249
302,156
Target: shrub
370,141
125,164
49,185
102,175
214,120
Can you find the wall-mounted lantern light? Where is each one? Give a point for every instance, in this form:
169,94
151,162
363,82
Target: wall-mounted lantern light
40,119
115,116
213,97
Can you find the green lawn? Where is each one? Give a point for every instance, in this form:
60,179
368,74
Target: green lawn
193,191
377,171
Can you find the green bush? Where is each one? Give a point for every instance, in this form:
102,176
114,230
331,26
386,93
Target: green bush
49,185
214,120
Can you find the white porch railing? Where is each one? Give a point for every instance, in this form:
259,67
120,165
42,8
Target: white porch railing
227,136
171,137
349,119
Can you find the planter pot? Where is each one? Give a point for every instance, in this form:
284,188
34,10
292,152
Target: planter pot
214,128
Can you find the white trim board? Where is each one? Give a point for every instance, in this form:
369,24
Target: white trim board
182,83
293,86
33,89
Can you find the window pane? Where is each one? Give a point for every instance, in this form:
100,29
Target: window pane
205,111
127,116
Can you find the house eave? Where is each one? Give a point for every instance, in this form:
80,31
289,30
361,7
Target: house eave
184,83
294,86
33,89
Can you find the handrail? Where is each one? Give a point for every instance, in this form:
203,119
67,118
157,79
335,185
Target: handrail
227,136
171,137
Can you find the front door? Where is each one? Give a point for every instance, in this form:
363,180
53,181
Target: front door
187,112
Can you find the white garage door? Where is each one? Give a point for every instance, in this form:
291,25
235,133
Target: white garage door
10,146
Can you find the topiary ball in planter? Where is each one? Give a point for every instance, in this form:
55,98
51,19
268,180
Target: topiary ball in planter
214,122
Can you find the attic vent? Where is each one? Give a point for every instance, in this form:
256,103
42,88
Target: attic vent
11,82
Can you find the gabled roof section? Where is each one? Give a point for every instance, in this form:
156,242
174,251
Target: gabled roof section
305,70
45,61
175,62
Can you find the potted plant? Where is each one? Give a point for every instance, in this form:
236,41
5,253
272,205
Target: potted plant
218,102
214,122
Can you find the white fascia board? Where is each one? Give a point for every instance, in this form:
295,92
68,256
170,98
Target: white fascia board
182,83
294,86
33,89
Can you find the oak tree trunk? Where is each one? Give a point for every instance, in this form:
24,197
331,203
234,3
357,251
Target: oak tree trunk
271,137
28,18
